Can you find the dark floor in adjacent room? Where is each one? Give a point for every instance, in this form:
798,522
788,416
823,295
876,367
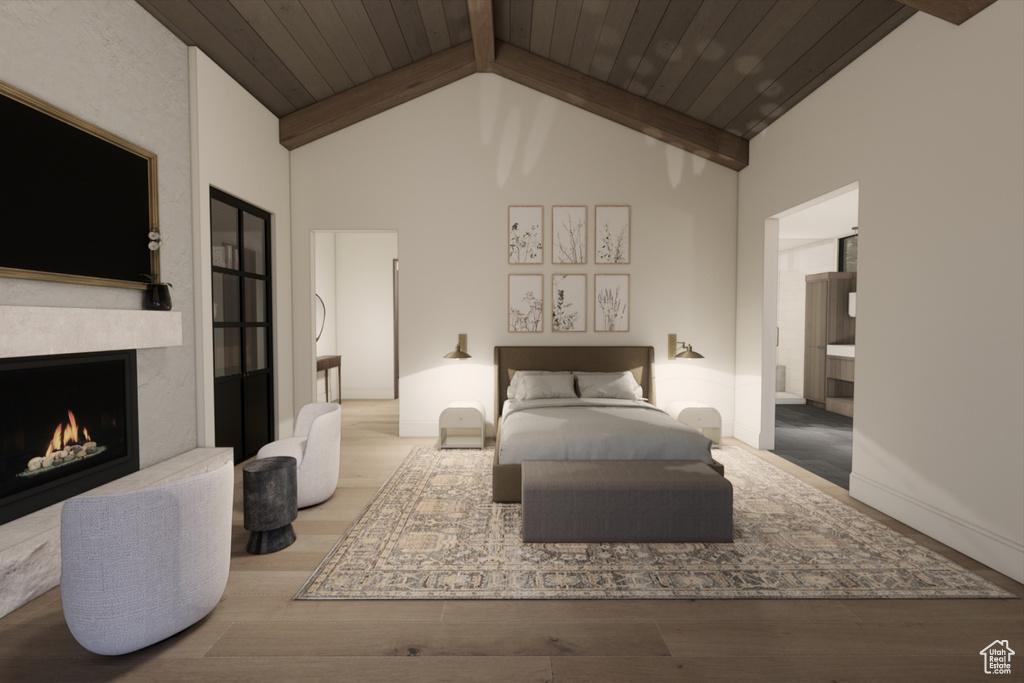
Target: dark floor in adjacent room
815,439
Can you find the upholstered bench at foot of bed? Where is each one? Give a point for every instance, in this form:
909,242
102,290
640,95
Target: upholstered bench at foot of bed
625,501
507,480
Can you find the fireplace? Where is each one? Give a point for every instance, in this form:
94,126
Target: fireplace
68,423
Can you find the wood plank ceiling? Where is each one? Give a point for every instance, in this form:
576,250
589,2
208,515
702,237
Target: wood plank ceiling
704,75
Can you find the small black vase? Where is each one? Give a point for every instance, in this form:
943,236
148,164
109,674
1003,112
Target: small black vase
157,298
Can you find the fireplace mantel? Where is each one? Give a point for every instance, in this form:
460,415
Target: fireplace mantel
44,330
30,546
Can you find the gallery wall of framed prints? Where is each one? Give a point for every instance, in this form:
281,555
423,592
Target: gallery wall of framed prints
578,251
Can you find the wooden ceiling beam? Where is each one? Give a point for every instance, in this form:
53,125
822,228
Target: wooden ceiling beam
376,96
620,106
953,11
481,24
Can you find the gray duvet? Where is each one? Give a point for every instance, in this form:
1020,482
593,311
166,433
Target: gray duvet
595,429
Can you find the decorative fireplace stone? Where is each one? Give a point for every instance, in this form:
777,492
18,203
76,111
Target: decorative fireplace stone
31,330
30,546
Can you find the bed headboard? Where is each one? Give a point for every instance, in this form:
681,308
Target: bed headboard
638,359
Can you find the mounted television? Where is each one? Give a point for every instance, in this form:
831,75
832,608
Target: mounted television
78,203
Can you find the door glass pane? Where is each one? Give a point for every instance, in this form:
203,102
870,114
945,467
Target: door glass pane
255,300
255,348
224,234
225,298
227,352
254,239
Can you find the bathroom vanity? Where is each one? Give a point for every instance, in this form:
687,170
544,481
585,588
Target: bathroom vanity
839,378
829,342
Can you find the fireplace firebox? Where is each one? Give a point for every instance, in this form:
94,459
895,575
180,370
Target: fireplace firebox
68,423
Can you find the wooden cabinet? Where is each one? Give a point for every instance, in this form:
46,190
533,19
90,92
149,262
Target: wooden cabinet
827,322
839,385
815,340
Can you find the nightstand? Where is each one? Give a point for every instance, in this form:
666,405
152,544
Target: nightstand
461,425
701,417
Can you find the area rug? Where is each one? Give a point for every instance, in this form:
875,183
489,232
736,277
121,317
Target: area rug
432,532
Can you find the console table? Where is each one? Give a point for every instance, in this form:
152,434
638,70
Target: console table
324,365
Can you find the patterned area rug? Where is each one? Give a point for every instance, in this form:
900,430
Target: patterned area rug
432,532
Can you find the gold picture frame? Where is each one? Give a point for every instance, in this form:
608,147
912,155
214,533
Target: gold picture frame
525,235
526,303
612,238
81,130
569,302
569,234
611,302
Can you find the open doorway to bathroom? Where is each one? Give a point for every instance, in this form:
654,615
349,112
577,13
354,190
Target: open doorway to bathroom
815,334
356,278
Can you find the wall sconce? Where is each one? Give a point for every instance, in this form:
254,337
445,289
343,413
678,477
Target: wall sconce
674,352
460,349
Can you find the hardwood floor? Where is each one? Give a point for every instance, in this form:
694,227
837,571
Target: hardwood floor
259,633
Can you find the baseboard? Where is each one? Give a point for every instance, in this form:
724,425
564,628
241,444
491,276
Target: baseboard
1002,554
368,393
748,435
417,429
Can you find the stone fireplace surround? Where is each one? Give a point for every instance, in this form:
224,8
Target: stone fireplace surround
30,545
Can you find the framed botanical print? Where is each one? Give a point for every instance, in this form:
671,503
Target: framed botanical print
525,234
525,303
611,234
569,303
568,234
611,303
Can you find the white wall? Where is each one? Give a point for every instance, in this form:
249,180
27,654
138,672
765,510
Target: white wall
443,169
326,287
364,319
235,148
929,122
112,64
354,277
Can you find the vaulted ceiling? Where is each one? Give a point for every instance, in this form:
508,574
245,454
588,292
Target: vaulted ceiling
703,75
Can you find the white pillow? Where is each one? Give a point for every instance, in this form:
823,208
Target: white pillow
516,380
609,385
515,385
552,385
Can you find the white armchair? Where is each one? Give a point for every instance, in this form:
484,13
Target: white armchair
316,447
138,566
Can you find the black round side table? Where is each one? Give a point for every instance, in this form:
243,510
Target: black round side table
270,503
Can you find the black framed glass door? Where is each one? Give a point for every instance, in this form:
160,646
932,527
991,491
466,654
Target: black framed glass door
242,354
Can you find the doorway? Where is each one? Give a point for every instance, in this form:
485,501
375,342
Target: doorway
807,240
394,317
356,275
243,388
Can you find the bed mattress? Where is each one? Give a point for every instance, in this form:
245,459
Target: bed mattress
595,429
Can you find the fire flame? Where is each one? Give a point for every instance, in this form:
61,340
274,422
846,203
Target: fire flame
65,435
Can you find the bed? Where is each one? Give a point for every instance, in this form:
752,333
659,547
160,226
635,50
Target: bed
540,427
